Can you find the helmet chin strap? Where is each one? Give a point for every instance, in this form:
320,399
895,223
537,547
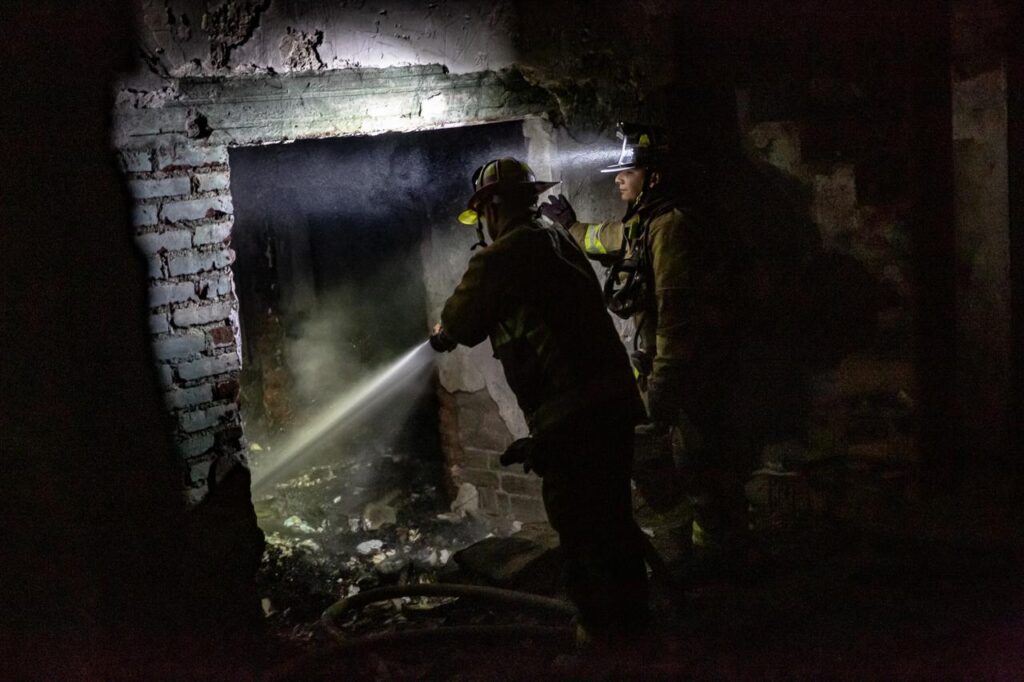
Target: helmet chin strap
481,242
479,235
647,182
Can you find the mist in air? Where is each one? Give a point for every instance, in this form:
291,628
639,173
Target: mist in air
367,398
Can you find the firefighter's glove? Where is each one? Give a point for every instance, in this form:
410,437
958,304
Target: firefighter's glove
525,451
558,210
440,341
643,365
650,431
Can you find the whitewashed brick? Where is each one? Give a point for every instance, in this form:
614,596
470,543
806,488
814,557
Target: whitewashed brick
200,420
208,367
166,376
200,471
156,267
194,315
164,294
136,162
158,324
215,287
199,261
212,182
196,444
143,215
213,233
171,240
176,347
183,398
160,187
193,157
194,209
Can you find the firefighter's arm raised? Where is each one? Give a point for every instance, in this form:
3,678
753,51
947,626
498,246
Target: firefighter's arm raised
599,240
469,312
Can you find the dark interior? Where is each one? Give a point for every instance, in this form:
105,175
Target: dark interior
109,572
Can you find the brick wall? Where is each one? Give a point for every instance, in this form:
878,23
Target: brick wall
182,213
473,436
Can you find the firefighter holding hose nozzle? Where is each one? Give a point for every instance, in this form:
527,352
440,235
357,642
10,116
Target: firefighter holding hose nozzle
532,292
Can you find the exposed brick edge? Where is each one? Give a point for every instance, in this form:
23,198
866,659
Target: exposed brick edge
183,216
506,492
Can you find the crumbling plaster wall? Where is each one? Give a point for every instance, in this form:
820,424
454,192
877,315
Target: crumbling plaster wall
200,37
600,61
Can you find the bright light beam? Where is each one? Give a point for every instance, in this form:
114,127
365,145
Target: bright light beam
363,397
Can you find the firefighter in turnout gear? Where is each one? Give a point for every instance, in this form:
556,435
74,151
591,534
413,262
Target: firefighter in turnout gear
533,293
663,265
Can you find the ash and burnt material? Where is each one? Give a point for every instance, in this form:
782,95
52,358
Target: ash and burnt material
374,518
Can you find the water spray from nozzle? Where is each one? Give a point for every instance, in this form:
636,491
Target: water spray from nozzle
368,395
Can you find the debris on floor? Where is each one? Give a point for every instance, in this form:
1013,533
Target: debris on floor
372,518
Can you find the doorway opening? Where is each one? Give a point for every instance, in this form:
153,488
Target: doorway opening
332,287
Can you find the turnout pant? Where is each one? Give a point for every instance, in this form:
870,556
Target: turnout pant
587,496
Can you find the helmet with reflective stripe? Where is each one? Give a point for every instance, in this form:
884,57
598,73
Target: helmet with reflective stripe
643,146
496,176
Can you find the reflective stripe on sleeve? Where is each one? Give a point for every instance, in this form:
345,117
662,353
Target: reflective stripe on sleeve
592,241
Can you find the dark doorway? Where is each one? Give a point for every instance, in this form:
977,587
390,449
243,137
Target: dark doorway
329,274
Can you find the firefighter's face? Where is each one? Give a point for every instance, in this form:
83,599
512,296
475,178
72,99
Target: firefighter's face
630,183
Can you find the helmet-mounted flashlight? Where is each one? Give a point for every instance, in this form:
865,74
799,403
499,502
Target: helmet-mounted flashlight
641,146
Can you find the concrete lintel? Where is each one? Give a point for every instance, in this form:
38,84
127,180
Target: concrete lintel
260,109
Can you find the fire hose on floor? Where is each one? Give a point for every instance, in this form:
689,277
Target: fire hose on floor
492,595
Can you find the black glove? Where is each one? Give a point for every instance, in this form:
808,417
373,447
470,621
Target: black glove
440,341
643,365
642,361
525,451
558,210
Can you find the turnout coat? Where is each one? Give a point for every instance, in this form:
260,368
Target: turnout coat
535,295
